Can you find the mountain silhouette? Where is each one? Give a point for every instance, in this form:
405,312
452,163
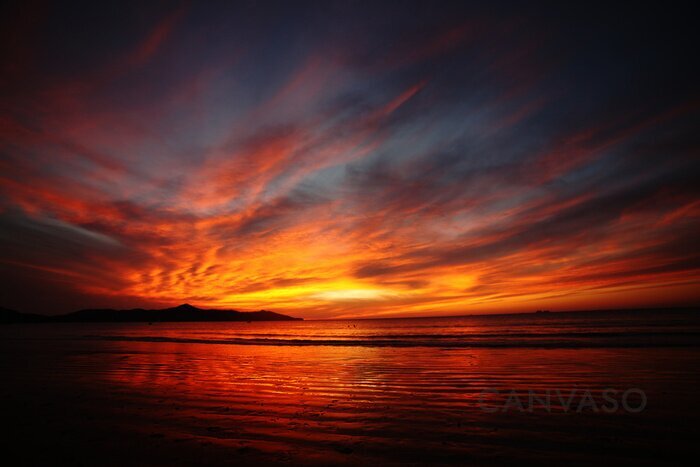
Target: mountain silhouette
181,313
12,316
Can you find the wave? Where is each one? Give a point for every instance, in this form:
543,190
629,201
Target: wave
505,335
566,340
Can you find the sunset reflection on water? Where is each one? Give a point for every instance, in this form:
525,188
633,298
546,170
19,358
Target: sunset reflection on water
357,403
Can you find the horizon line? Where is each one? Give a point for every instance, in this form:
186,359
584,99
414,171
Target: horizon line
465,315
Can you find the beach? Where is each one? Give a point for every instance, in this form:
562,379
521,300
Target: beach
349,233
427,392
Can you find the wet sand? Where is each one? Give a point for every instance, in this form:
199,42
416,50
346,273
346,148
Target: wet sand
87,402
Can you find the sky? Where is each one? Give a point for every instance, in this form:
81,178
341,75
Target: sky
348,158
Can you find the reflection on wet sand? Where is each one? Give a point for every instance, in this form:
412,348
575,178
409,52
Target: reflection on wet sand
180,403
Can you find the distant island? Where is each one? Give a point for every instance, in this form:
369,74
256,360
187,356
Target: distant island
182,313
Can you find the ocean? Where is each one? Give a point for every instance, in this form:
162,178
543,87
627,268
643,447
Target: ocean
572,387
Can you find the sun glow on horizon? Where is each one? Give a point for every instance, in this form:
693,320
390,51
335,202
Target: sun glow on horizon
354,294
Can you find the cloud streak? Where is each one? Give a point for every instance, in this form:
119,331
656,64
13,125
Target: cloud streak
328,164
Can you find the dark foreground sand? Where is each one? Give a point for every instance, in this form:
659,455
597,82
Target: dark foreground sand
86,402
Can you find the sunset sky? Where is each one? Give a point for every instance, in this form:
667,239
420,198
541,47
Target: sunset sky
335,159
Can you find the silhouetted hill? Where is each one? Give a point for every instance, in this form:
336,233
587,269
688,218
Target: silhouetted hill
184,312
12,316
